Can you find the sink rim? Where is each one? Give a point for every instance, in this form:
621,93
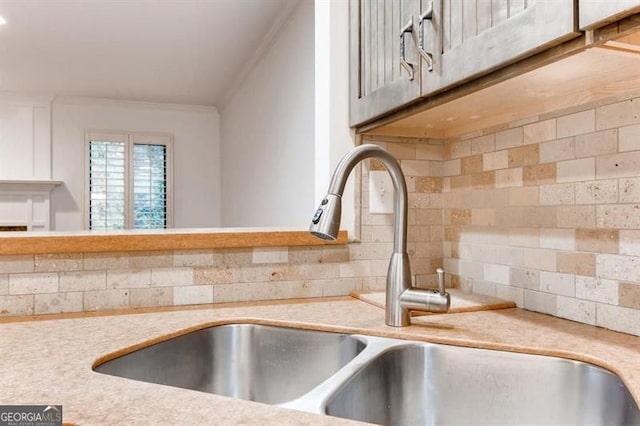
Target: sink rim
102,359
366,333
249,361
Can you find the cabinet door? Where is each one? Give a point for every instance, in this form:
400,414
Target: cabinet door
594,13
468,38
379,83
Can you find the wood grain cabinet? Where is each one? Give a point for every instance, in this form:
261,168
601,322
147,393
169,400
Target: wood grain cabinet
402,50
596,13
379,82
474,37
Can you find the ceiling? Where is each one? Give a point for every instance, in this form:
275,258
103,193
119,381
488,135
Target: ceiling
173,51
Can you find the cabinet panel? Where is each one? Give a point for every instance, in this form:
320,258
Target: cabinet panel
468,40
378,81
25,136
16,142
594,13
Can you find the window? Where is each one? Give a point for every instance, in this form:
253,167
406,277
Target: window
128,179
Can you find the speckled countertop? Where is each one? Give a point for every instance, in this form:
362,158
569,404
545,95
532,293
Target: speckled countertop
49,361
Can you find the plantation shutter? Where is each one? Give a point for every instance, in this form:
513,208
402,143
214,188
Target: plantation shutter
129,181
149,183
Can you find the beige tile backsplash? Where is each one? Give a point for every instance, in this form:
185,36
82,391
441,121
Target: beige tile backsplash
575,214
543,212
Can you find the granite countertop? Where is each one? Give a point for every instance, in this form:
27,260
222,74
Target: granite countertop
49,361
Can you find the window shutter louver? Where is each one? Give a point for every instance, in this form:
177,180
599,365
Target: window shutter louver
128,181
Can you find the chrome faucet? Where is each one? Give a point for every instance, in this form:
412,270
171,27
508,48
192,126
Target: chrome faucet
401,297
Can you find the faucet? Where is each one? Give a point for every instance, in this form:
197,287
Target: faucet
401,297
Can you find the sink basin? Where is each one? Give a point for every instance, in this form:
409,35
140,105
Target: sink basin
436,384
382,380
247,361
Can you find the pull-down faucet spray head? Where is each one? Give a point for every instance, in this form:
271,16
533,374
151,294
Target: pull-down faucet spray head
326,220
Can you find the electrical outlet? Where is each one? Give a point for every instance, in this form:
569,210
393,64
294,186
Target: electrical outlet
380,192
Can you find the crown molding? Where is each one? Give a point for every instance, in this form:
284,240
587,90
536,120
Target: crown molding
78,100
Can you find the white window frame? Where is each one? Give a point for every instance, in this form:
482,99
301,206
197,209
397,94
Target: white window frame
129,139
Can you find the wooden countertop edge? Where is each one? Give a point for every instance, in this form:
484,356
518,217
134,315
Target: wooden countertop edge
86,243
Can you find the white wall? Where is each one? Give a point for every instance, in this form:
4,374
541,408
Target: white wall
267,130
333,137
196,151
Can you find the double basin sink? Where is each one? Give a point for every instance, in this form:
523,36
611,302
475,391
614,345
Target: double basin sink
381,380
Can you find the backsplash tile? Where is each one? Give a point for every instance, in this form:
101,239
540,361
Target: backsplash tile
618,318
4,284
629,295
149,297
16,305
16,263
598,240
598,290
618,114
104,261
97,300
628,139
192,295
576,124
128,278
171,277
151,259
58,262
576,216
55,303
270,255
540,131
193,258
33,283
82,281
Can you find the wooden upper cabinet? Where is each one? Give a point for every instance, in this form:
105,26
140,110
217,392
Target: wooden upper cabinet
595,13
379,83
402,50
468,38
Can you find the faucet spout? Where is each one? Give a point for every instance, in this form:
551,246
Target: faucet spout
400,296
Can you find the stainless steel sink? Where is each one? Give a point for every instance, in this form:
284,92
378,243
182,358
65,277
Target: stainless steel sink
254,362
384,381
436,384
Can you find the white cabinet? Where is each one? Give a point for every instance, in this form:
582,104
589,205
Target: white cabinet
25,136
596,13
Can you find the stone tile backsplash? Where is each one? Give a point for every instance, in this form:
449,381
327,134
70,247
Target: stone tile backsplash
92,282
544,212
554,225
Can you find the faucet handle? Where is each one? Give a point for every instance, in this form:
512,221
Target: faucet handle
440,273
